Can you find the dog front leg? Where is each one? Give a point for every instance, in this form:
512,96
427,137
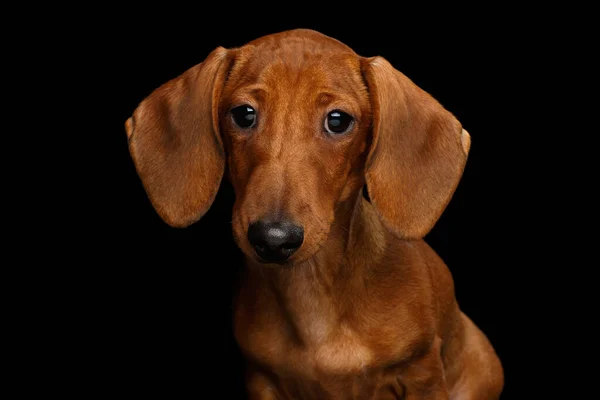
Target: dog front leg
424,378
259,386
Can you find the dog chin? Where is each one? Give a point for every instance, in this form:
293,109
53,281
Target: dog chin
290,262
270,264
253,258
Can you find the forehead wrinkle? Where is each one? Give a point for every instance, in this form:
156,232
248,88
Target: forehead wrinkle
255,89
342,101
252,92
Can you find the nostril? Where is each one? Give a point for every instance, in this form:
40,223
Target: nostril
257,234
275,241
294,239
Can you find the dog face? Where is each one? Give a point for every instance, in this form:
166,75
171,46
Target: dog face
302,123
294,116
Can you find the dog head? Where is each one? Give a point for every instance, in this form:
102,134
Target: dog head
302,123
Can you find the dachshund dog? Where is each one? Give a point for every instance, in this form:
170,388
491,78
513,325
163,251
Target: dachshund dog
340,165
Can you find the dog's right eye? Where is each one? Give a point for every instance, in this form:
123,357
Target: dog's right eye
338,122
244,116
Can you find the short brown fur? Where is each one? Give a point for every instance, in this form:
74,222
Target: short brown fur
365,309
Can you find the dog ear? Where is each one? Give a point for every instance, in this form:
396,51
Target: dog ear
417,155
175,143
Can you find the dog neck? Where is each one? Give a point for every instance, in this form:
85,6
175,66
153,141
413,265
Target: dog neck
318,297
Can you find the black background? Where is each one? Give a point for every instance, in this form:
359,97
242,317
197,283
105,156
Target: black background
150,306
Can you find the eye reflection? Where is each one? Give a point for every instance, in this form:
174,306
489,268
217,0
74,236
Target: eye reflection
338,122
244,116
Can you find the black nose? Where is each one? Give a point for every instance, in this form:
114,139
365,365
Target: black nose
275,241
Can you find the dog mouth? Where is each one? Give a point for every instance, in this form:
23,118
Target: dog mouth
265,254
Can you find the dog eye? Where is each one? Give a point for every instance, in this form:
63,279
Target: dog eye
338,122
244,116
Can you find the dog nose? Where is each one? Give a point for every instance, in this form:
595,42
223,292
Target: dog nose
275,241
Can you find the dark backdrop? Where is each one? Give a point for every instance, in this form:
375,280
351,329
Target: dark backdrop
151,305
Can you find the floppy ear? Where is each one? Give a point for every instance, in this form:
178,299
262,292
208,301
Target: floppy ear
417,154
175,143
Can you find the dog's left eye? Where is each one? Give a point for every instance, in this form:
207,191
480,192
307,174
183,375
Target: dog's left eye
338,122
244,116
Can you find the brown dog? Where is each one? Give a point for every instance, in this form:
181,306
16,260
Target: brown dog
342,298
